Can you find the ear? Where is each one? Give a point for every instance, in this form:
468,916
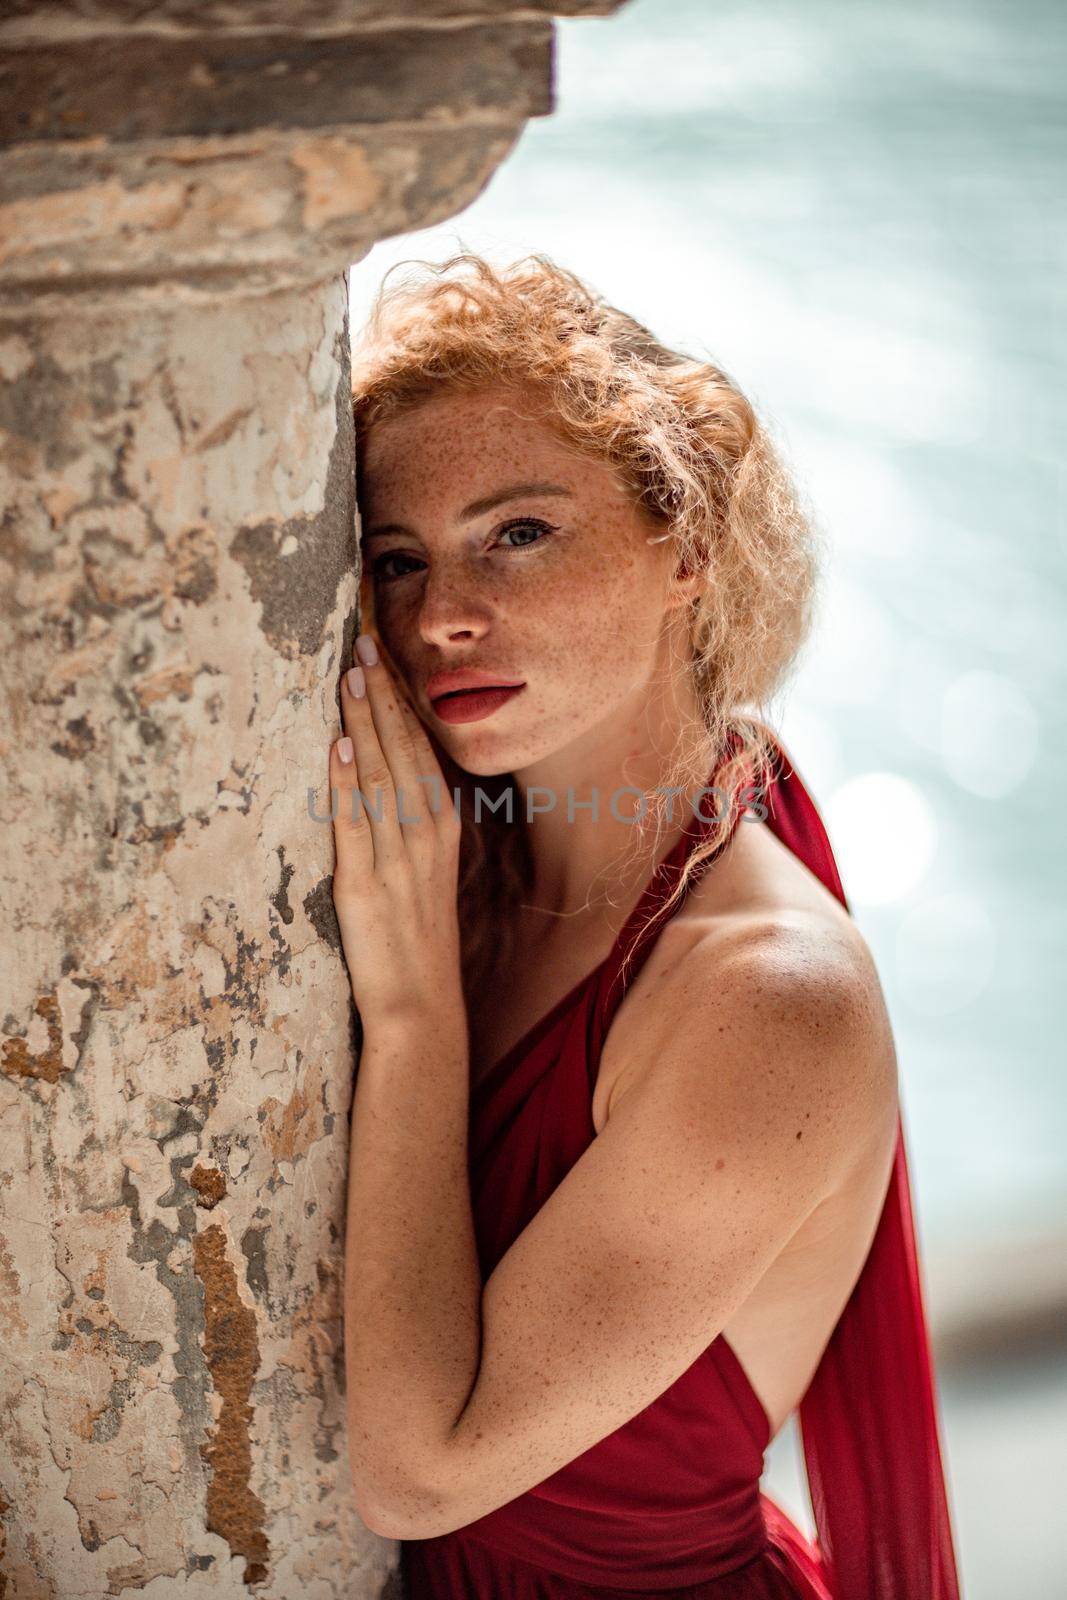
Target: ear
685,585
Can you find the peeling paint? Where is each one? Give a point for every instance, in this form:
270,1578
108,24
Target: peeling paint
253,1249
299,595
321,912
102,1422
280,899
339,180
154,1244
293,1126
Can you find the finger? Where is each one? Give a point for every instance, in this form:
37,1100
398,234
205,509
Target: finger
397,736
429,774
375,789
431,779
353,845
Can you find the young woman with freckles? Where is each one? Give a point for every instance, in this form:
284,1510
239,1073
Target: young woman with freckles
628,1183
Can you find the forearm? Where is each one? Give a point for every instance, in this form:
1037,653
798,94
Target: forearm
412,1295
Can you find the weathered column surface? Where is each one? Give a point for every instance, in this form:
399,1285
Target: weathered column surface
181,188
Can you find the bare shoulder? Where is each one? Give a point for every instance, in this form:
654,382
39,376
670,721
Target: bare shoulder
767,998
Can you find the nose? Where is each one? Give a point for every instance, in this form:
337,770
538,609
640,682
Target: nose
451,608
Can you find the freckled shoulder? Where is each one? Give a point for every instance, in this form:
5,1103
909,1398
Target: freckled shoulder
759,895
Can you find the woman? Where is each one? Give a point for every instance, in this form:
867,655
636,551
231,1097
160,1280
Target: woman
627,1180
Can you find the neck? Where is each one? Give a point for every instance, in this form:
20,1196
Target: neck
588,858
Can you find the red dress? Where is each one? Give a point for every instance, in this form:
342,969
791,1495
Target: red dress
670,1504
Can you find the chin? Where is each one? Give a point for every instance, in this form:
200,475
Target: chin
482,753
485,751
487,765
485,757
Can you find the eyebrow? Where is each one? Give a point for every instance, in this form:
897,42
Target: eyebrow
478,508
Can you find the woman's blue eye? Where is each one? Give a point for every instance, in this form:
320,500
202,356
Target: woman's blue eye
526,522
545,529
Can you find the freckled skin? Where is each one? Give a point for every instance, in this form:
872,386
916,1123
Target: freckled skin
587,614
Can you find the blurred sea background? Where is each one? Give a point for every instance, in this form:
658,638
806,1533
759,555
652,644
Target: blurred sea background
858,210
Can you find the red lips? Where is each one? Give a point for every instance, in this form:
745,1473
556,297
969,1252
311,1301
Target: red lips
467,678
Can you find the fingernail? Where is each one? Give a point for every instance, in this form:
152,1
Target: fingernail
344,749
366,649
357,683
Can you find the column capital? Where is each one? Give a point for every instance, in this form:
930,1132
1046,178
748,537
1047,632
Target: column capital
237,147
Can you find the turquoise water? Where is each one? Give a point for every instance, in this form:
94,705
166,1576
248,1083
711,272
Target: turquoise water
858,211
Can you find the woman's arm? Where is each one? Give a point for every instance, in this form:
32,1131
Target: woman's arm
412,1296
768,1088
412,1286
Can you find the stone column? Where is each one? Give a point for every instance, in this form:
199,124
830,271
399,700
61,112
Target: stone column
181,188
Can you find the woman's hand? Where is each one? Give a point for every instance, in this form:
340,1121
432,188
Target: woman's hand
396,875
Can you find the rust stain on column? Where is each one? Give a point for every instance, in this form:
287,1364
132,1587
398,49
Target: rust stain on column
18,1058
209,1184
231,1350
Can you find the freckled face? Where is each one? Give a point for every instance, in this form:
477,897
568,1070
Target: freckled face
559,590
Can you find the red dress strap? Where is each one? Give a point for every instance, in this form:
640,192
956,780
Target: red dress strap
645,922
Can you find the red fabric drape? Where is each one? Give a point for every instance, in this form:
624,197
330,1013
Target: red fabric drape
869,1422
